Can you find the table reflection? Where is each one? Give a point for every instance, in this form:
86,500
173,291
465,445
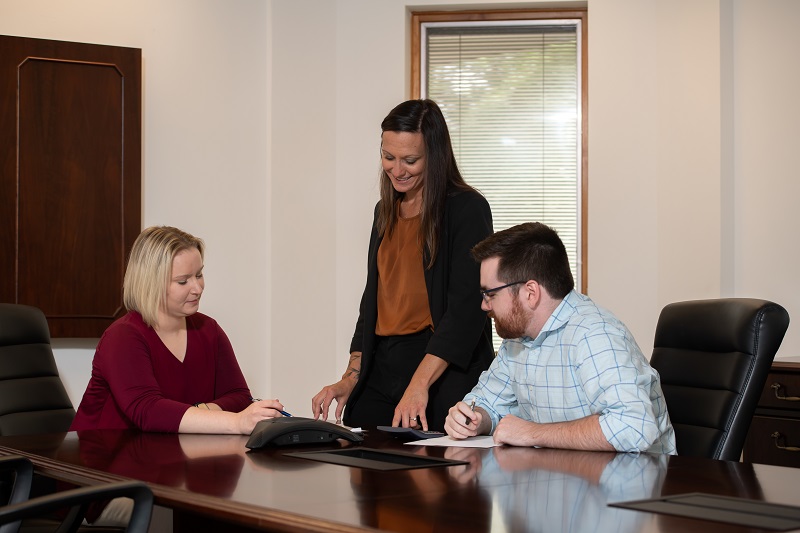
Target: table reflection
559,490
419,500
208,464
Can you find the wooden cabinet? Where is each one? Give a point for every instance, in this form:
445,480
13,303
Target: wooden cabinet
774,436
70,178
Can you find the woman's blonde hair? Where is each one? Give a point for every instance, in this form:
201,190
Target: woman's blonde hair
149,269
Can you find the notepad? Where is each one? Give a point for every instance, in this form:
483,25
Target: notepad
481,441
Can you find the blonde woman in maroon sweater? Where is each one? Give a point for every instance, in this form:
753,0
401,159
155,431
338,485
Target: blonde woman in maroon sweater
163,366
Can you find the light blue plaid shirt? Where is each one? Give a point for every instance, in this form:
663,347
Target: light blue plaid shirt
583,362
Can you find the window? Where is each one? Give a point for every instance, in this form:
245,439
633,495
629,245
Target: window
512,88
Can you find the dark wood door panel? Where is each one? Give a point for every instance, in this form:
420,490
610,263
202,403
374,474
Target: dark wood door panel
70,149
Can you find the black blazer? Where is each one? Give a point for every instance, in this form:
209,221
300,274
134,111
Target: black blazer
462,331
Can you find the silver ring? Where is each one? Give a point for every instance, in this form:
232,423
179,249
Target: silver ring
414,418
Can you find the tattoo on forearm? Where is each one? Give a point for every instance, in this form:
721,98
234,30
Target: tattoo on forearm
352,371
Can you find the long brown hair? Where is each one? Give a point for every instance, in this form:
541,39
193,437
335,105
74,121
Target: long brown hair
441,171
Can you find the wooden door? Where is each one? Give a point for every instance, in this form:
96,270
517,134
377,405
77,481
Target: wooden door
70,178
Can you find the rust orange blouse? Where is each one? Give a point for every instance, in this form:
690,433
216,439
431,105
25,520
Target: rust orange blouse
402,296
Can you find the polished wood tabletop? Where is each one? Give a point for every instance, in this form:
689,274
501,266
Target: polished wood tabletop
214,480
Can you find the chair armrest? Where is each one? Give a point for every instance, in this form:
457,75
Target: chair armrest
23,470
20,507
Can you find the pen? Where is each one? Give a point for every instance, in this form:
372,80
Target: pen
284,413
471,408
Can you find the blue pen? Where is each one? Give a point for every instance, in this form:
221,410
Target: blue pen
284,413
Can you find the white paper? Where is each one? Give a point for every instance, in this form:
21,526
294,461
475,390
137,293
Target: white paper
481,441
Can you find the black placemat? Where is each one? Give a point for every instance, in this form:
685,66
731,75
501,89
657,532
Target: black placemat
375,459
739,511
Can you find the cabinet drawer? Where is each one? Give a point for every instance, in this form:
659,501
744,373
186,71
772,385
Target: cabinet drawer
781,384
761,446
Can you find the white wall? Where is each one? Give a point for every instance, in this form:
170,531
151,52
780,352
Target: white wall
275,105
205,141
654,129
766,140
698,118
329,98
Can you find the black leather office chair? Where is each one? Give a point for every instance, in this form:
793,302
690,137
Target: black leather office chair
713,357
20,507
32,396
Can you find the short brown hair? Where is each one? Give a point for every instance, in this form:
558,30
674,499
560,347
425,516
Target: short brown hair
530,251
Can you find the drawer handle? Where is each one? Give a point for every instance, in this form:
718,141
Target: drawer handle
776,387
778,437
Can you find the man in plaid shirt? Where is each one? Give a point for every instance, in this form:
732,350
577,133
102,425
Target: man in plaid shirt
569,374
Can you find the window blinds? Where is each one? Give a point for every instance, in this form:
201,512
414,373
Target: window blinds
511,97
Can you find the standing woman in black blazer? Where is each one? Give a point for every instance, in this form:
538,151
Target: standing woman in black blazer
421,339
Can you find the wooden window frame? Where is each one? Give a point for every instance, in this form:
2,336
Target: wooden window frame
419,17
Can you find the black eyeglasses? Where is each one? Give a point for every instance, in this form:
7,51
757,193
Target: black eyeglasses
487,294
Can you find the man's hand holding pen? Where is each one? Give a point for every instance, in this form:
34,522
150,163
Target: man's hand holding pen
464,420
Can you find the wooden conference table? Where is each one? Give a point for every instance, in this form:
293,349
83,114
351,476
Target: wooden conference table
211,482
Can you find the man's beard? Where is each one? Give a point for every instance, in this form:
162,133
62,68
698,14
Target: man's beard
512,326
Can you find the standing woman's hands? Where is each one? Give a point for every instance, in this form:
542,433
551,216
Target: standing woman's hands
339,391
410,412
